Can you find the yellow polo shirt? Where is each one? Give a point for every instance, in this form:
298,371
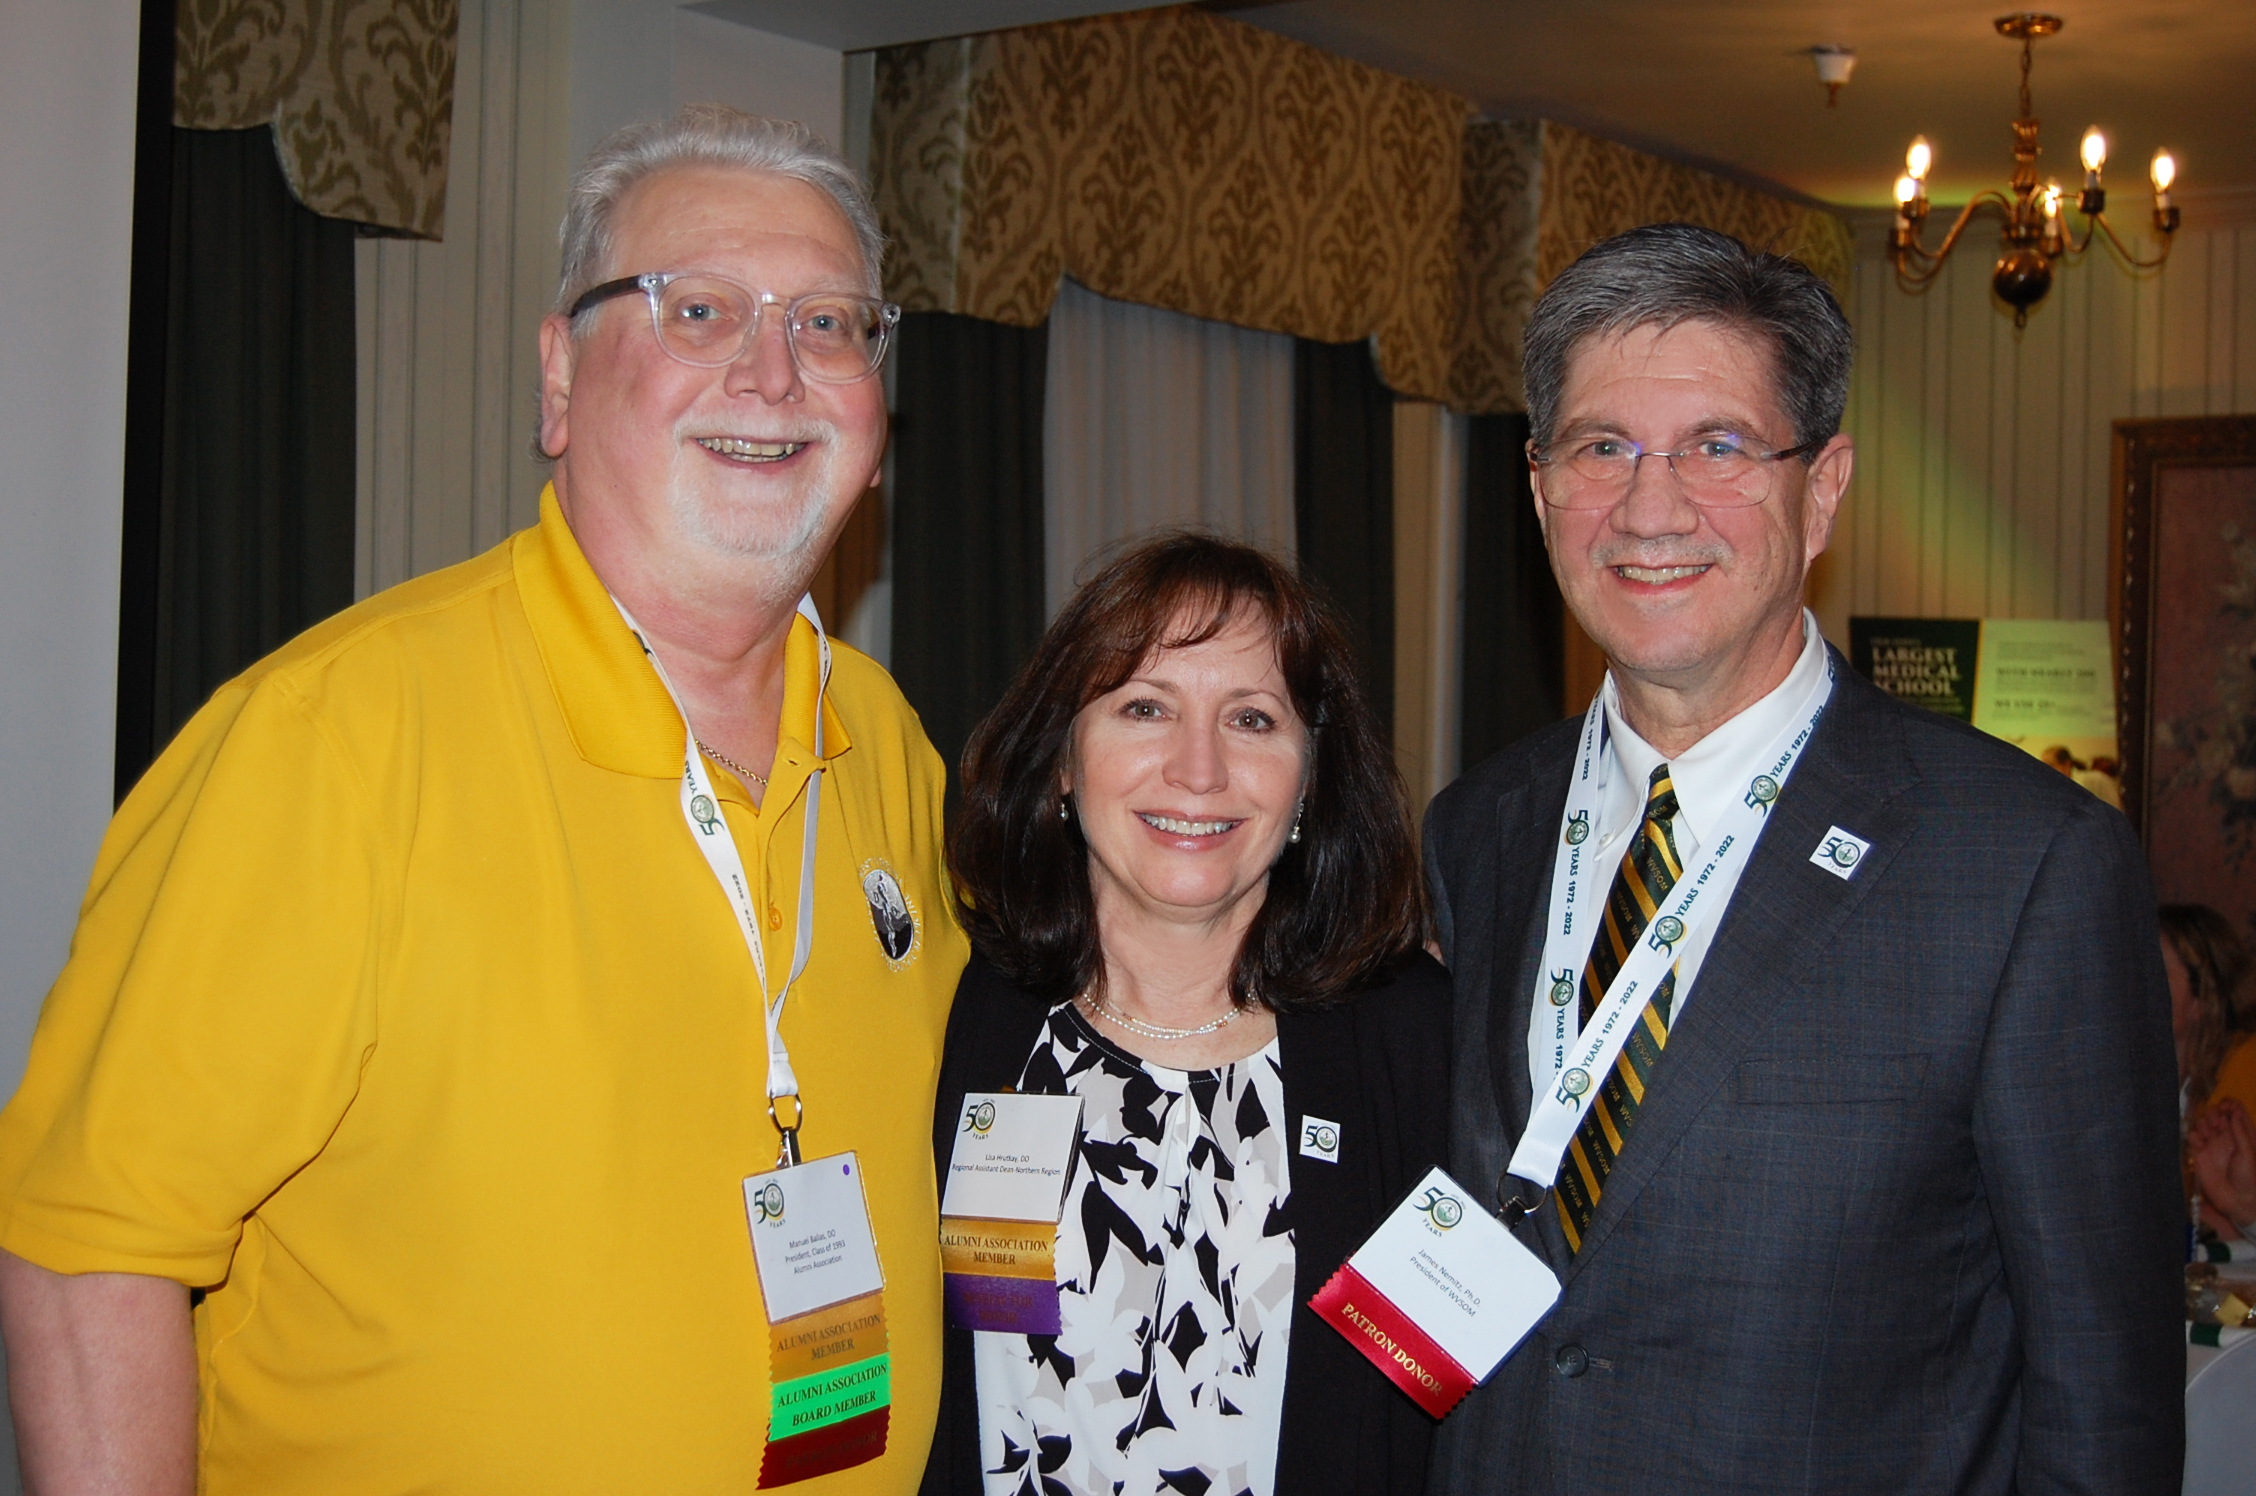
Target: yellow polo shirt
405,1019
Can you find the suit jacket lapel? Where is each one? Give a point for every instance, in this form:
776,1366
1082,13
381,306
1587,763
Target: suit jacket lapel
1854,775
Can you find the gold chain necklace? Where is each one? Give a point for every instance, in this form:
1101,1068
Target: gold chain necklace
1154,1030
728,763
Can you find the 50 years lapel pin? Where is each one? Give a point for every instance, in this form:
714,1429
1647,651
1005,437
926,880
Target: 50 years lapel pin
1840,852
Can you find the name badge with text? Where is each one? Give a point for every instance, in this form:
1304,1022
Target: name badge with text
830,1364
1439,1295
1007,1176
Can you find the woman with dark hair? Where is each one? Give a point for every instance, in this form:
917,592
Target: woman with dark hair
1185,862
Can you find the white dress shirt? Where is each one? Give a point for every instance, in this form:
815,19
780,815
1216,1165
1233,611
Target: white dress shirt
1709,776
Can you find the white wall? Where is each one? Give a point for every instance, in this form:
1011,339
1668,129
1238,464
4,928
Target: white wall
67,70
720,62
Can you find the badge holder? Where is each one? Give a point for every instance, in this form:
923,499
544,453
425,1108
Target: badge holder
1439,1295
1007,1180
830,1367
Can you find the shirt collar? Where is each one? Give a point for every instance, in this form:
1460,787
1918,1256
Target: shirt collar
618,711
1711,774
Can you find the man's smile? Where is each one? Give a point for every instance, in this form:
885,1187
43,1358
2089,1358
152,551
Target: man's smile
739,449
1656,575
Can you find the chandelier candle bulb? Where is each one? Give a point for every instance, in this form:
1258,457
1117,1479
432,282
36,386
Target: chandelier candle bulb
2165,171
2095,155
1918,160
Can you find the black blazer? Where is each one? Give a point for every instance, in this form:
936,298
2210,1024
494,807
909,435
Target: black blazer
1377,1065
1901,1213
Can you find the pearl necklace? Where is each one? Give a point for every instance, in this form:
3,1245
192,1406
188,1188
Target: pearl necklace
729,764
1154,1030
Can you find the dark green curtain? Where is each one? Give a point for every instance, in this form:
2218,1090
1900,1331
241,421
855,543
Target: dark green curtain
1514,669
249,539
1343,498
967,517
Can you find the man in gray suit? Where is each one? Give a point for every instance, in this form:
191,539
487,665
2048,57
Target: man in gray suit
1880,1193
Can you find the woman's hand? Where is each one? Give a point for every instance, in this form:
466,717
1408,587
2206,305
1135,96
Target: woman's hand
2222,1146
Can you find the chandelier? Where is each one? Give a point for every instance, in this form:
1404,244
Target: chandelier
2035,238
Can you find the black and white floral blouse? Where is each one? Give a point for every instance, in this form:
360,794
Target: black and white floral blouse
1175,1270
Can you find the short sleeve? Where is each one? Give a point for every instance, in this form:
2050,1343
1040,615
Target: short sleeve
209,1028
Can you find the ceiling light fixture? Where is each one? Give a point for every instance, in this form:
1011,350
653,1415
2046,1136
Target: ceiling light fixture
2035,237
1834,64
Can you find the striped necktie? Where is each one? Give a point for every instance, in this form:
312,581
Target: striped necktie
1648,871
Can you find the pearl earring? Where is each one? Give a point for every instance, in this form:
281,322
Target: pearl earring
1064,814
1298,811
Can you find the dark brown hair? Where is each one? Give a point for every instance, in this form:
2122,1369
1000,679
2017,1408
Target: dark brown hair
1341,904
2215,962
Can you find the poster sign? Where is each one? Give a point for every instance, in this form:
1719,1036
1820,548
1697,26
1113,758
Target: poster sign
1928,662
2044,685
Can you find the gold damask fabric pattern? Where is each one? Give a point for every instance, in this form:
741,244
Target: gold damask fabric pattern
1182,160
360,94
1496,284
1593,189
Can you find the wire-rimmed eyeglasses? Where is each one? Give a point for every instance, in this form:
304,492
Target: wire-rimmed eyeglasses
708,321
1719,471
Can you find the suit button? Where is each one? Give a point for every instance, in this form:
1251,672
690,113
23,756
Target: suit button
1570,1360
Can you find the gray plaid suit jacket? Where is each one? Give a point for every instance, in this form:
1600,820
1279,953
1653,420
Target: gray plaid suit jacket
1901,1212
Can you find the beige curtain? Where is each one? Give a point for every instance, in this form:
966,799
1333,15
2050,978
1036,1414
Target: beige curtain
360,94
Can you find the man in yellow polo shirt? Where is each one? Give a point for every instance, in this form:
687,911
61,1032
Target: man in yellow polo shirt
389,1128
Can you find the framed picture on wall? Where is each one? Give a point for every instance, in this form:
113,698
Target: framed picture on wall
2182,598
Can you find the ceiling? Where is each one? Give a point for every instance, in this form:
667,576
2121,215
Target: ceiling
1729,84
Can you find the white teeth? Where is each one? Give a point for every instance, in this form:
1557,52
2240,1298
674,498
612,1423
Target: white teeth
1174,827
1659,573
733,446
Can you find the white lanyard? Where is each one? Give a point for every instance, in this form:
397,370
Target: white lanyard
701,812
1581,1058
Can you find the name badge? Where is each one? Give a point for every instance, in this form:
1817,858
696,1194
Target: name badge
1007,1177
1439,1295
830,1366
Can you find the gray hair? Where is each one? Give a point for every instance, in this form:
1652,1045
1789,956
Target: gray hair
1665,274
700,135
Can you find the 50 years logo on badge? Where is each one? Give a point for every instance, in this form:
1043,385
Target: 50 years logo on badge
1441,1209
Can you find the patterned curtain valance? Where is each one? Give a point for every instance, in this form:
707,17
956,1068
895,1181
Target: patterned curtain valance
1594,189
1181,160
360,94
1188,161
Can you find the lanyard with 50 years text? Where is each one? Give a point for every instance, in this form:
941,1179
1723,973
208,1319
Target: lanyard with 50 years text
701,810
1579,886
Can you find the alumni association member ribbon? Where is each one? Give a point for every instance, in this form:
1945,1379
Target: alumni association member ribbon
1007,1174
1438,1296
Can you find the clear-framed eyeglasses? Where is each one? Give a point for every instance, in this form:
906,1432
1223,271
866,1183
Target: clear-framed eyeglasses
1721,471
708,321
